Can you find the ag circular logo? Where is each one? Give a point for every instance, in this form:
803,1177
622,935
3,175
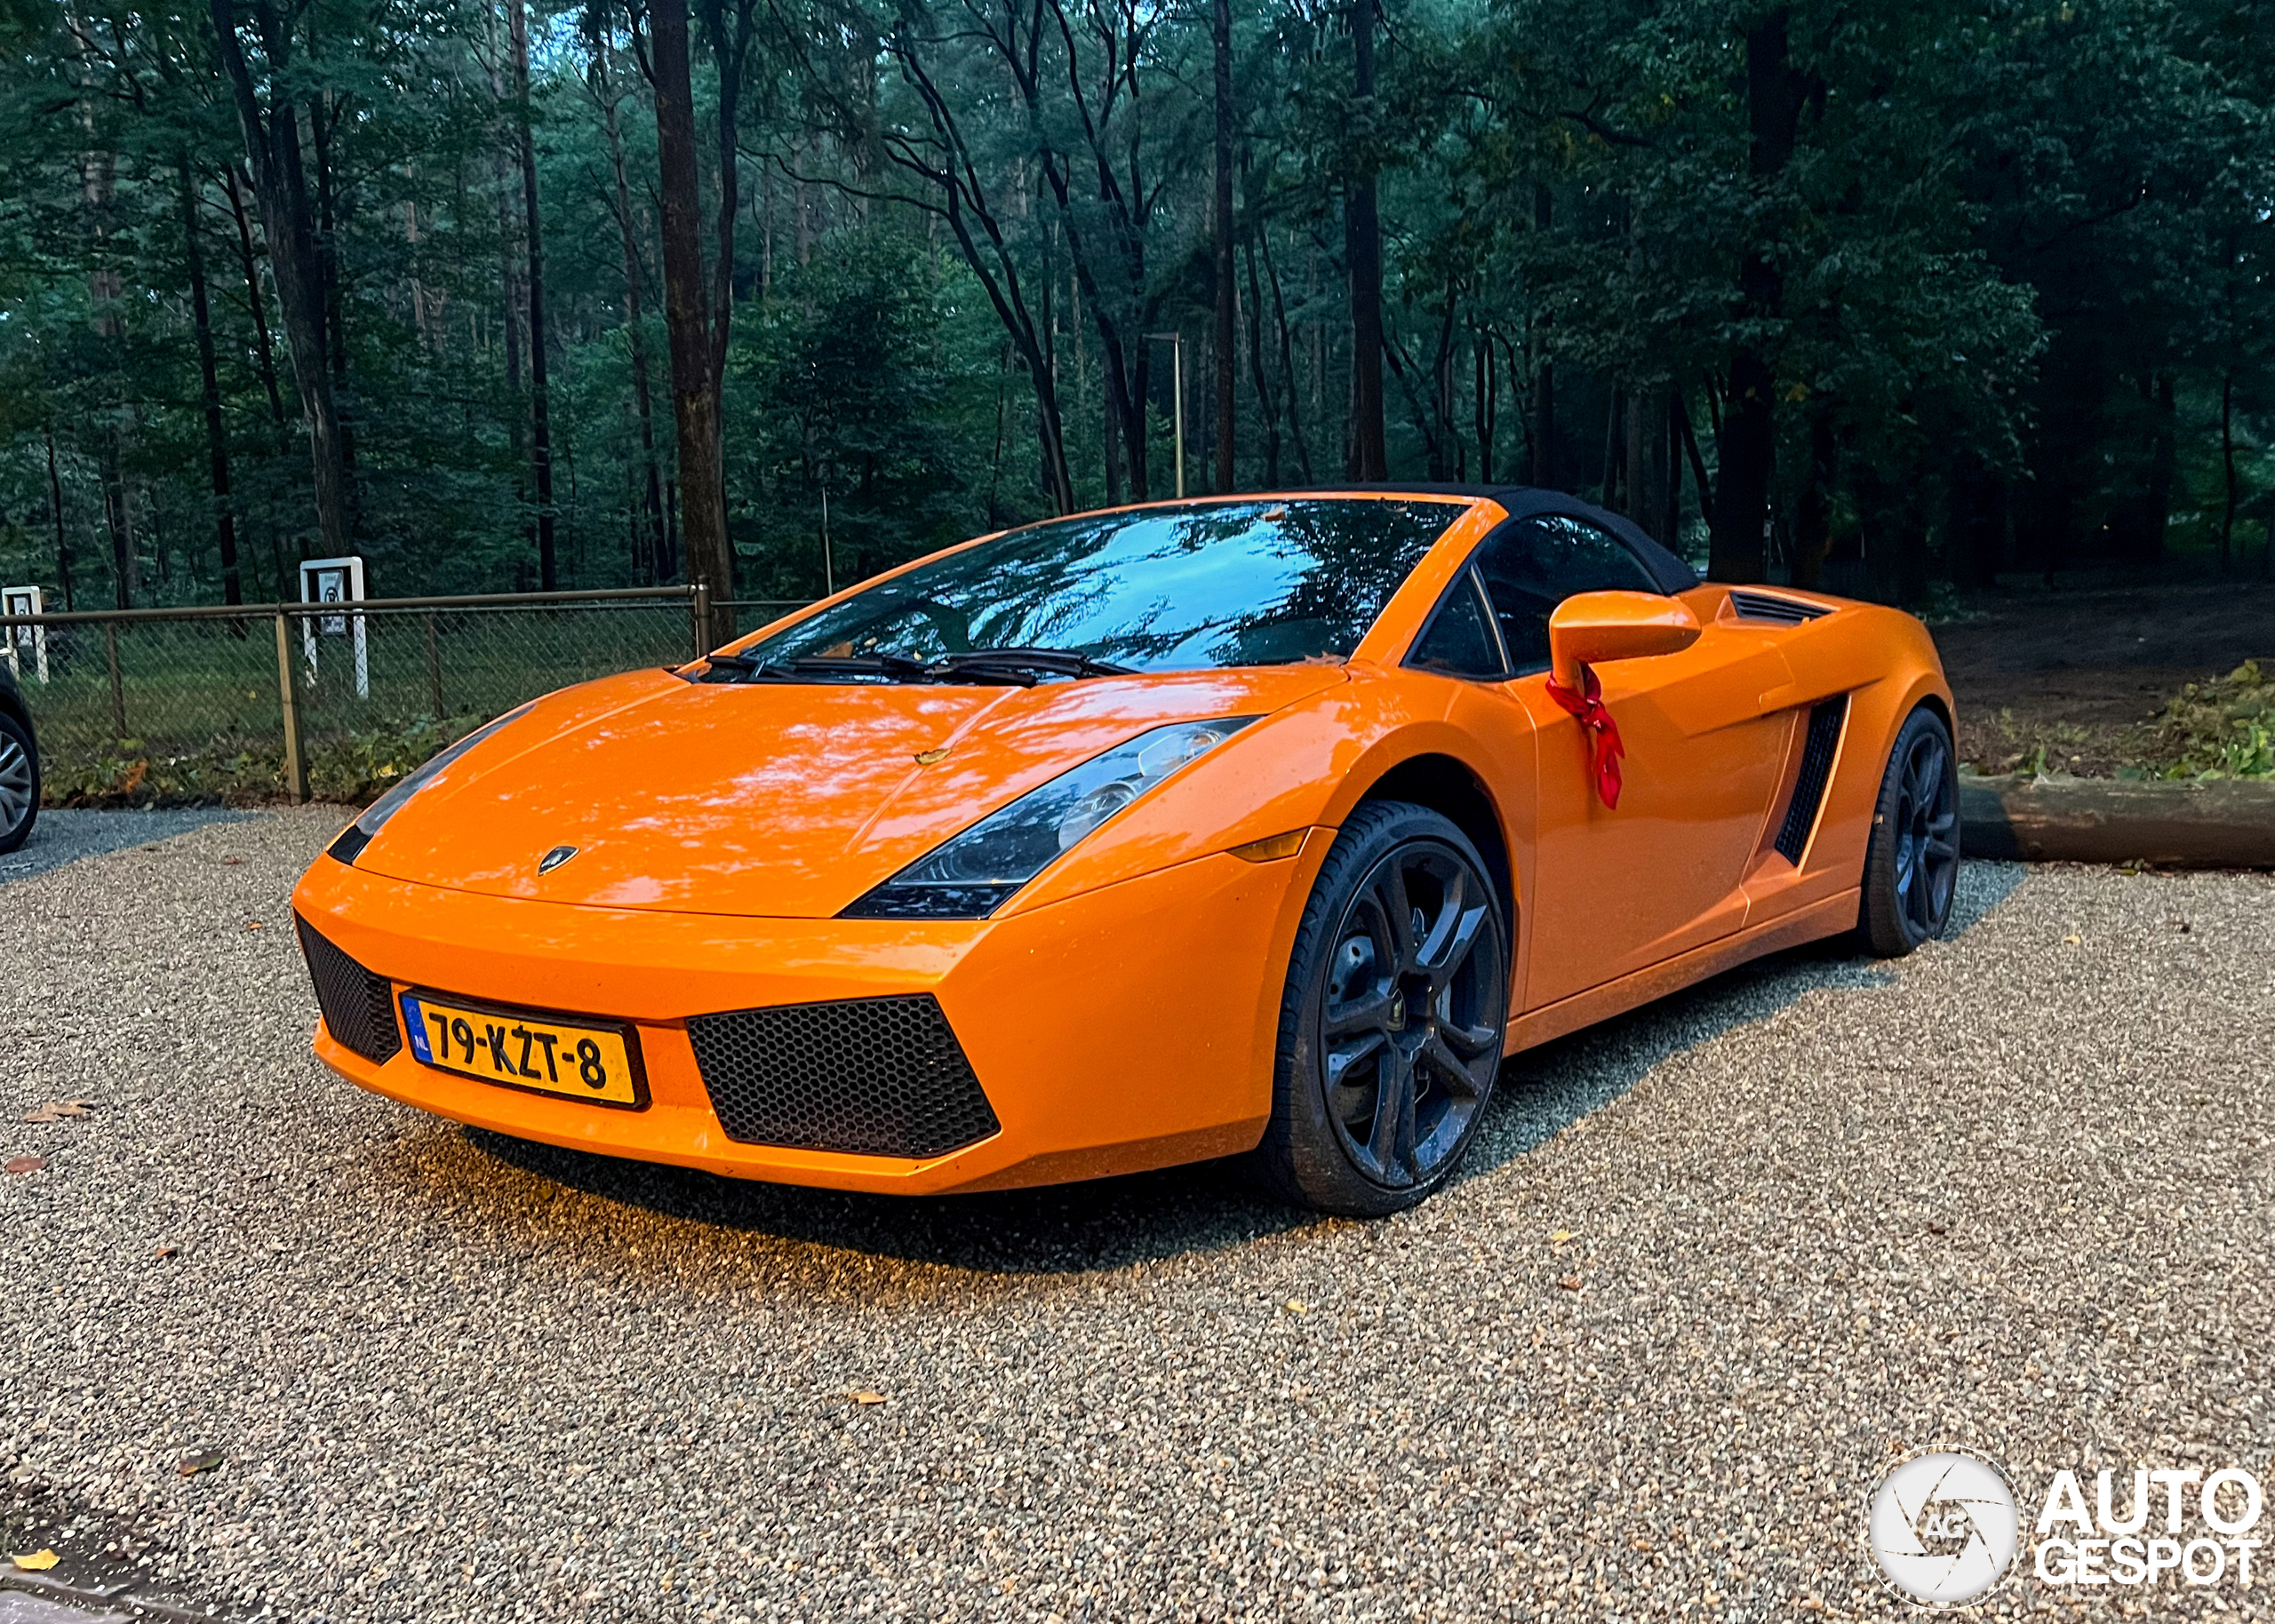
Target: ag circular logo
1942,1528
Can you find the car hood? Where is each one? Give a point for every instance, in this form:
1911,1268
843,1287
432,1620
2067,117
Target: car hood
775,799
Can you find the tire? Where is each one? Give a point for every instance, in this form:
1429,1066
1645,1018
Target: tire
1912,863
1390,1036
19,782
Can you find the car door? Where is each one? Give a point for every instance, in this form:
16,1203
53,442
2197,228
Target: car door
1613,891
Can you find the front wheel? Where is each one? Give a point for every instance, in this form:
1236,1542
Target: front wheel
1912,863
1391,1023
18,784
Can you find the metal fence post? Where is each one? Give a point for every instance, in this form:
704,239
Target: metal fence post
296,769
434,665
117,688
699,611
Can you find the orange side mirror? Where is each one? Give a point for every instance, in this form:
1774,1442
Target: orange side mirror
1591,628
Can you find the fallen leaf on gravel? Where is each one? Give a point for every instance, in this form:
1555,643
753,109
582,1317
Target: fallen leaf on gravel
26,1164
1560,1237
36,1561
863,1396
167,1252
1295,1307
233,862
202,1461
2074,941
252,924
55,1110
1570,1282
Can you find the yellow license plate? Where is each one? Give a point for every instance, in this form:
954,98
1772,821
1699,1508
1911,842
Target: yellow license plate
522,1048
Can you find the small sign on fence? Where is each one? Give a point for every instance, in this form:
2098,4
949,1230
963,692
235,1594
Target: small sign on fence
334,580
27,646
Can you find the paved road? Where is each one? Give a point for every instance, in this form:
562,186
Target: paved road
64,837
2012,1192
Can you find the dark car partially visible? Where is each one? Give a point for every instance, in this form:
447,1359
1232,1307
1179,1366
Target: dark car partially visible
19,763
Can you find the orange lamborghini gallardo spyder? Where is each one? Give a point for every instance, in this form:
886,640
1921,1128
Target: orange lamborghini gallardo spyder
1260,825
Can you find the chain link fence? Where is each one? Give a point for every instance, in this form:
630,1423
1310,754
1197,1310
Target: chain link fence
268,701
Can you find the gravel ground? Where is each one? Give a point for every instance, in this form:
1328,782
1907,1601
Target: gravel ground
2014,1193
62,836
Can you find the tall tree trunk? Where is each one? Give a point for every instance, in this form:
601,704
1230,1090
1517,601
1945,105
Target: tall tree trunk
540,427
217,438
1813,514
256,301
2163,470
124,572
2228,465
1543,471
1485,399
659,555
322,115
1362,247
62,542
1286,358
1260,373
695,395
1773,97
272,141
1227,359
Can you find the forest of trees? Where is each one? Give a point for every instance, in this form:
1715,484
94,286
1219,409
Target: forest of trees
1887,296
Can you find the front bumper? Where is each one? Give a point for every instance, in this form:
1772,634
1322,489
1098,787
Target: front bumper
1127,1028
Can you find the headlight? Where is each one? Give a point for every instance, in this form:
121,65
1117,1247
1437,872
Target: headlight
977,871
358,834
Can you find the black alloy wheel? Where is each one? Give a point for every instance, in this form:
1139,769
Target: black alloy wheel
19,782
1912,864
1393,1022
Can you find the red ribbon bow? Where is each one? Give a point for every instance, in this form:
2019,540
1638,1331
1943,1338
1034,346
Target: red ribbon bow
1596,723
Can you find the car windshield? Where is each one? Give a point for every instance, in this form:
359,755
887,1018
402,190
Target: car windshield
1252,583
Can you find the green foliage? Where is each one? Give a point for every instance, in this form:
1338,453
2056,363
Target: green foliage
2026,312
871,373
2224,727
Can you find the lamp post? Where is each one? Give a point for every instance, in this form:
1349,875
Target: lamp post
1176,341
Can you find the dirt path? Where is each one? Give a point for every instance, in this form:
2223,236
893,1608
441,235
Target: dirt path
2081,673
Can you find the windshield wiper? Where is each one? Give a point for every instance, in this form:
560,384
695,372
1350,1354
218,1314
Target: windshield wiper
807,667
1002,664
1021,667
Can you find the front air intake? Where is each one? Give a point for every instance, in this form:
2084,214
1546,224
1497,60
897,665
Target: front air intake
358,1007
1770,607
864,1076
1816,770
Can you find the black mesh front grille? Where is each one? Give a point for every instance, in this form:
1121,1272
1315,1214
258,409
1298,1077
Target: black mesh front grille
867,1076
358,1007
1766,606
1809,785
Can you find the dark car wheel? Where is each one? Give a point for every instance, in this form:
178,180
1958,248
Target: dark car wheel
1912,864
19,782
1391,1023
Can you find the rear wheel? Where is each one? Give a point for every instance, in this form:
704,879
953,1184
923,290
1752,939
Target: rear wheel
1391,1023
19,782
1912,864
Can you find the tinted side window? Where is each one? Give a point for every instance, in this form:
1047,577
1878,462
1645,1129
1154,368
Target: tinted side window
1460,641
1535,563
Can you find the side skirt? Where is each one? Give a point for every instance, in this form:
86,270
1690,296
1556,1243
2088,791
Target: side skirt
1826,918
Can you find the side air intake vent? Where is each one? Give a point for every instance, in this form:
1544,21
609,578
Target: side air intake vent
358,1007
867,1076
1817,768
1783,611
